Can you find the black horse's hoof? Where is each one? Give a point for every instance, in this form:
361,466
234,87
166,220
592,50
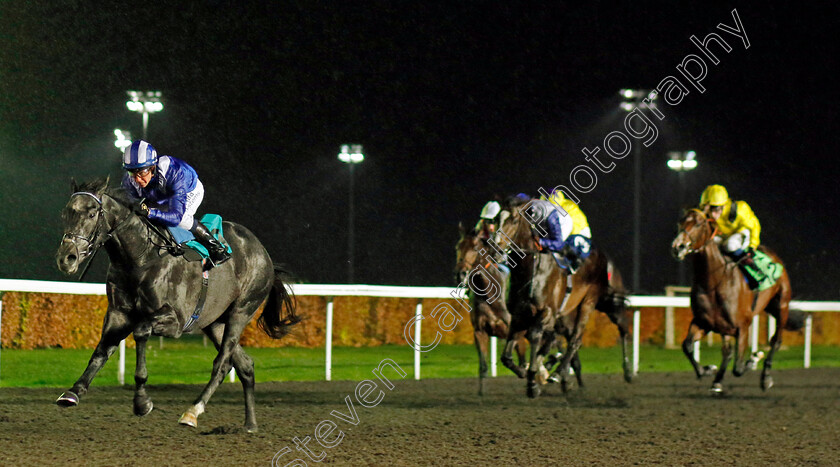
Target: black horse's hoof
709,370
628,376
143,407
251,429
766,383
68,399
533,391
716,389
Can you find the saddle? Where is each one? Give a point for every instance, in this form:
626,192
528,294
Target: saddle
184,243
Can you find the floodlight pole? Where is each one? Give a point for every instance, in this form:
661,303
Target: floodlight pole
351,154
632,99
681,162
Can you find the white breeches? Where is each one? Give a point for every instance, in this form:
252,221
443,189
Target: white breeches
738,241
194,199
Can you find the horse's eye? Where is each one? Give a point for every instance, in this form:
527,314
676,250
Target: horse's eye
92,215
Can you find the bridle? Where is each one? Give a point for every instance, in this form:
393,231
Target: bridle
92,245
95,242
712,225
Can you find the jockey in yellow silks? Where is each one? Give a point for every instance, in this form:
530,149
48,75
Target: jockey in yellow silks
579,240
580,226
737,225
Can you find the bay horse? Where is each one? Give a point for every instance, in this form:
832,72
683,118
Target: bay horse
722,302
154,293
489,315
539,303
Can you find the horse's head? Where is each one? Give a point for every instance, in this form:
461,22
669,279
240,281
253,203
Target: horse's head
514,229
84,224
695,229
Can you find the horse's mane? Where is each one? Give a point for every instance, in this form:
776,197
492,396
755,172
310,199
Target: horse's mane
119,195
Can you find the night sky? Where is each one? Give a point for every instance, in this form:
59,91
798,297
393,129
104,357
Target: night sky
454,102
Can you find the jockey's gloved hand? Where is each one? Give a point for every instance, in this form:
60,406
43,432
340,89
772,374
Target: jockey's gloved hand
749,253
140,208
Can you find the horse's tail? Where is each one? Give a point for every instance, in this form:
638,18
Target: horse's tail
273,321
795,320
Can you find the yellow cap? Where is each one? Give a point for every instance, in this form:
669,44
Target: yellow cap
714,195
555,198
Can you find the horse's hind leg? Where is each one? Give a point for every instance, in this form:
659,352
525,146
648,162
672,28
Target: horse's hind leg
625,364
239,316
695,333
726,355
142,403
116,328
780,310
244,366
576,368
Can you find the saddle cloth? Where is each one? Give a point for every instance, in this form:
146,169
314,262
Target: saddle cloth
765,275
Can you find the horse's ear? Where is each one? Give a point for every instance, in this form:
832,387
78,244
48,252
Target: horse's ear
73,185
461,229
102,184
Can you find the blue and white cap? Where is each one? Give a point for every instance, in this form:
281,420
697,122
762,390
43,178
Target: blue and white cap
140,154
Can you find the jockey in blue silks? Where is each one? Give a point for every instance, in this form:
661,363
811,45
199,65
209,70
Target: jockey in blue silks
170,192
554,230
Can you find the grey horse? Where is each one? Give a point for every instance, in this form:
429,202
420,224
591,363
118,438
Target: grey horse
151,292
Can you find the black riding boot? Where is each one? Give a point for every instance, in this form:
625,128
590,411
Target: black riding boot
218,252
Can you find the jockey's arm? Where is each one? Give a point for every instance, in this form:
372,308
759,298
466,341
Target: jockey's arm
554,240
173,209
746,219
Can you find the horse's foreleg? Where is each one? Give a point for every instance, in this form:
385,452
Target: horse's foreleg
521,349
726,355
481,340
142,403
116,328
535,335
695,333
741,341
507,356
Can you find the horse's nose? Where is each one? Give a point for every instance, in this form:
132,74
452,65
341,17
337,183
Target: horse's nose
460,276
66,259
679,250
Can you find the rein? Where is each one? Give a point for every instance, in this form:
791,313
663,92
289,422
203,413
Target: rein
94,244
